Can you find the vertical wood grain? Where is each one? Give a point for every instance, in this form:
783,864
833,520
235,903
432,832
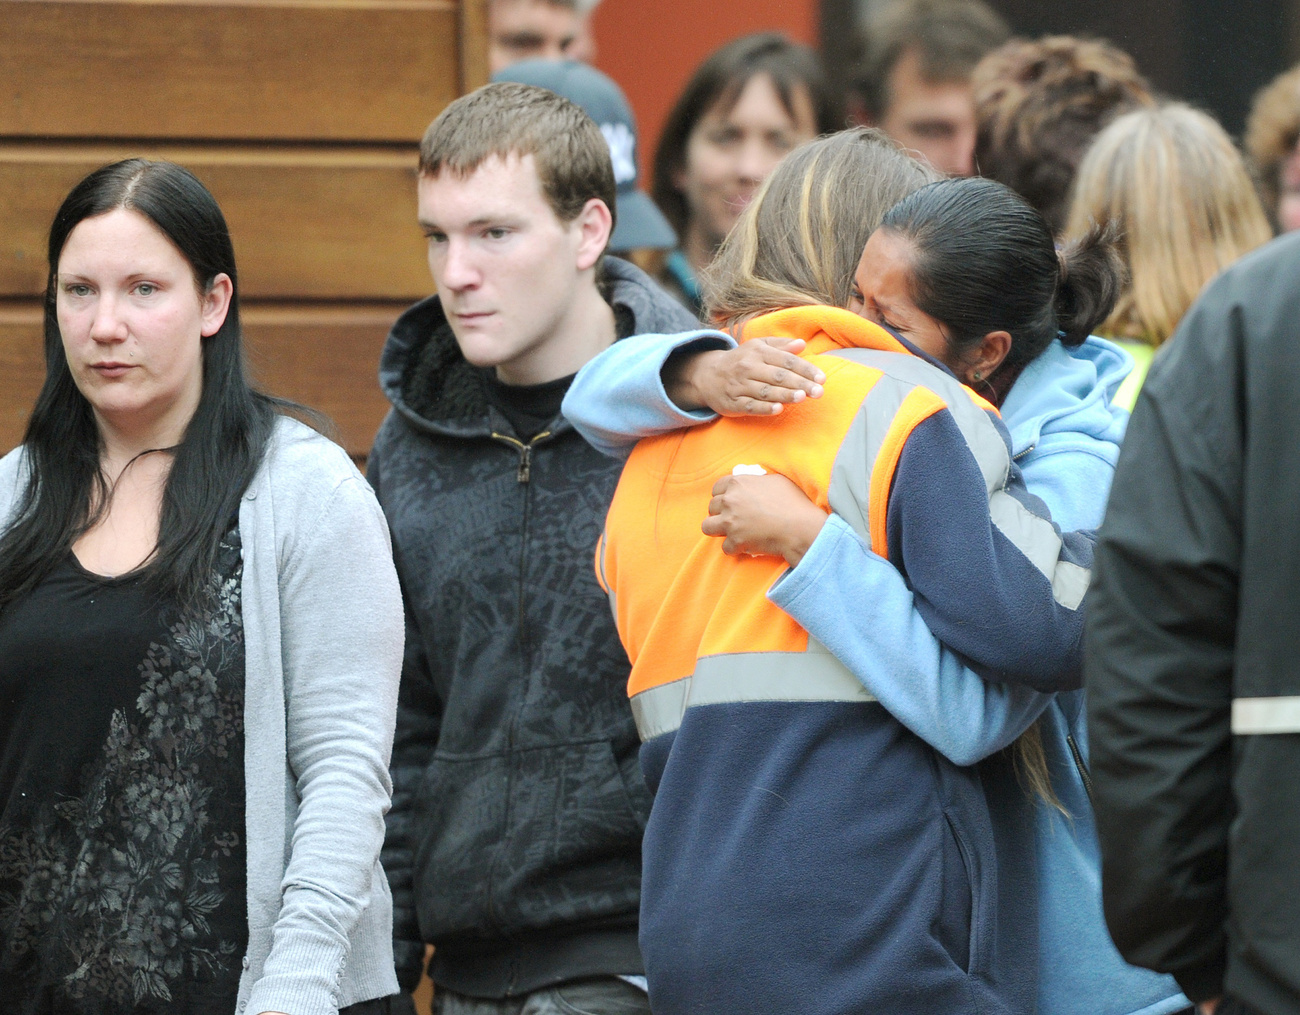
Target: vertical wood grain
474,70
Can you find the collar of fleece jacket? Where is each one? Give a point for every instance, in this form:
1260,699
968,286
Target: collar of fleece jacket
424,375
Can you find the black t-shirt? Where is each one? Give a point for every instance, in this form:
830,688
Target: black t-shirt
531,408
122,853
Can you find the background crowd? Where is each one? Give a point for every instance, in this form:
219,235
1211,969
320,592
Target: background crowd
910,712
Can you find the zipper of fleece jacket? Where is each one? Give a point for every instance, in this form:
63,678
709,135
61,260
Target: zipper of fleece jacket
523,475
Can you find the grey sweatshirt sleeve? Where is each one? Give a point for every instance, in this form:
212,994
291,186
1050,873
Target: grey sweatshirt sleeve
341,642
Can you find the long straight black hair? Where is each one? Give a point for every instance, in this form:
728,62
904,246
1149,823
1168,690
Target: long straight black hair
65,492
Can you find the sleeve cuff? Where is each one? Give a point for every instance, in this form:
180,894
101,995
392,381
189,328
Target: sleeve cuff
827,550
693,342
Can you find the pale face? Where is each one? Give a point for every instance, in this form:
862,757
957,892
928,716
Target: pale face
132,322
1288,202
935,118
882,292
536,30
508,271
731,151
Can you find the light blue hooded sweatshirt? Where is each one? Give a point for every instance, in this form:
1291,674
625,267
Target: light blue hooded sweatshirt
1065,436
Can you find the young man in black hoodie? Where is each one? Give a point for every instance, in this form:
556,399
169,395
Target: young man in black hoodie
514,842
1192,649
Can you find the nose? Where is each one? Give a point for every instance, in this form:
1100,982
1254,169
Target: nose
964,159
458,269
755,161
108,324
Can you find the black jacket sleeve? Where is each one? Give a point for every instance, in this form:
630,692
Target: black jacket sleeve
1159,658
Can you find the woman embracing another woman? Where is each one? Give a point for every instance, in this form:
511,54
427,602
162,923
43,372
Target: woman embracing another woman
815,844
200,644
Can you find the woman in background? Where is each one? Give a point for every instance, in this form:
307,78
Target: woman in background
200,645
1177,194
745,108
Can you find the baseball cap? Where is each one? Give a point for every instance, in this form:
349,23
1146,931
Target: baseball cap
640,223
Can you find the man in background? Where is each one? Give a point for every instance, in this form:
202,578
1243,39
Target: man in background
913,80
539,29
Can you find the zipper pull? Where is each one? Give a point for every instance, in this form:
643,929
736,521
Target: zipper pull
525,464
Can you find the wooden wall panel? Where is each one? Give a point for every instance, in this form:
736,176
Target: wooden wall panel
333,70
325,356
475,71
22,369
312,223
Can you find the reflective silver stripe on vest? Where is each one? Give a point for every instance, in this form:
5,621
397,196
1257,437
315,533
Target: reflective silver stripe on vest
1266,715
814,675
850,486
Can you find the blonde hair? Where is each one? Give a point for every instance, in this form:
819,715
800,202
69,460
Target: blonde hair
1174,187
799,241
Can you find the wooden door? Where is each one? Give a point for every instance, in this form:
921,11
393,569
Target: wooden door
302,116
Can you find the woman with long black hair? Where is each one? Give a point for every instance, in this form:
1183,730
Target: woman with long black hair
200,643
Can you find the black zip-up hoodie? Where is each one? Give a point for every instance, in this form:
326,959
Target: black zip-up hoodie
514,840
1193,650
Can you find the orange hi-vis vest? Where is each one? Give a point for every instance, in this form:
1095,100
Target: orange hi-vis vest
696,623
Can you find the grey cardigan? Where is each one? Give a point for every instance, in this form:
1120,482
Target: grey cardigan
323,646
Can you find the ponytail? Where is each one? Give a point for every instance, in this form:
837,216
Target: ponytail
1092,276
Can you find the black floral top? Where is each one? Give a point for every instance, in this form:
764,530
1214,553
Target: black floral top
122,863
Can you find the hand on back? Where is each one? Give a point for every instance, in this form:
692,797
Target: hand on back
763,515
757,378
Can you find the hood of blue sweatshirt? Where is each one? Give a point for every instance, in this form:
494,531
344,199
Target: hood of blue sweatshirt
1062,400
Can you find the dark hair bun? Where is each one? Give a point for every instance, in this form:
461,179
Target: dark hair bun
1092,276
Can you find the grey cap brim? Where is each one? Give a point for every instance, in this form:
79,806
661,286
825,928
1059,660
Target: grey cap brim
640,224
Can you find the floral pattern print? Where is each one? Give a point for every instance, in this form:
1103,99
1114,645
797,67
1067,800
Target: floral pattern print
130,895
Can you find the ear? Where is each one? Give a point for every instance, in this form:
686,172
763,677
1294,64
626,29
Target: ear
593,224
987,356
215,304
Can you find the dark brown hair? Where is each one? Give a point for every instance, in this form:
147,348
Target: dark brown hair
508,118
719,80
949,36
1039,104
